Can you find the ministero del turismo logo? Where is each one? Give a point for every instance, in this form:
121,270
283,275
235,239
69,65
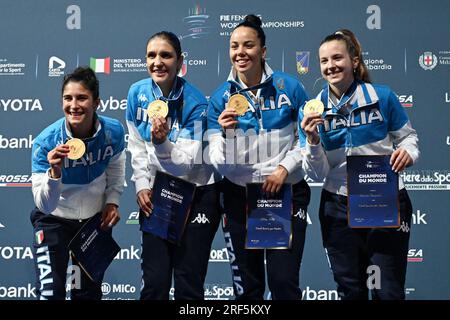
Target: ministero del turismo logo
108,65
100,65
426,179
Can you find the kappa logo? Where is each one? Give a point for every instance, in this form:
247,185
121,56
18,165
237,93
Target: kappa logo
404,227
303,215
142,98
201,218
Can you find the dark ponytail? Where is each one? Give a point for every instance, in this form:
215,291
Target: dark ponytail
354,49
87,77
255,23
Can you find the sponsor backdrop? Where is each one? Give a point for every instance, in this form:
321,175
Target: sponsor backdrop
403,45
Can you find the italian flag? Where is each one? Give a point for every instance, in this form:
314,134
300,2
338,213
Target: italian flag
39,236
100,65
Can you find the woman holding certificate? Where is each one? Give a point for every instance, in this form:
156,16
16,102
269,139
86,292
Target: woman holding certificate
78,166
166,117
360,120
252,127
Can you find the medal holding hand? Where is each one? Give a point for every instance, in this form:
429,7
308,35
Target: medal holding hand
160,129
312,118
55,159
157,112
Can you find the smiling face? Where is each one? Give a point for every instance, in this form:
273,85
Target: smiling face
336,65
246,53
163,63
79,108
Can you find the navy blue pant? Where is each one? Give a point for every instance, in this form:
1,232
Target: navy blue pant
188,262
352,251
247,265
51,257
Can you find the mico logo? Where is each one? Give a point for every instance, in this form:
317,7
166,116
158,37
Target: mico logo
117,288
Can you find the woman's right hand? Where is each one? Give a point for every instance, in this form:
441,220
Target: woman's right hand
55,158
309,126
227,119
144,200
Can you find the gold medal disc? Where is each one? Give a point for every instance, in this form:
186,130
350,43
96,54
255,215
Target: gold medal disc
77,149
313,105
239,103
158,108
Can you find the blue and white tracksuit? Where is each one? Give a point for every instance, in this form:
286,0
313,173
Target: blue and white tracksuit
367,120
63,205
265,137
180,155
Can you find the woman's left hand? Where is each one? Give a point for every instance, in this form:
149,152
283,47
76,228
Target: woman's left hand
400,159
160,130
110,216
274,182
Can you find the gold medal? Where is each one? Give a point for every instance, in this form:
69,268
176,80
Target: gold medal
158,108
77,149
239,103
313,105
